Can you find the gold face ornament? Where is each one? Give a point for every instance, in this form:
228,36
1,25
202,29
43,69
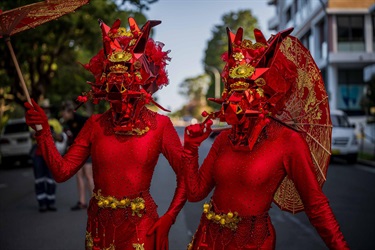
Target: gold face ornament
120,56
241,71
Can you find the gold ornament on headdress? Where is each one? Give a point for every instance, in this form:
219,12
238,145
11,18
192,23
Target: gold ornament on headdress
120,32
260,91
139,246
247,44
132,42
137,65
238,56
260,82
120,56
240,85
242,71
118,68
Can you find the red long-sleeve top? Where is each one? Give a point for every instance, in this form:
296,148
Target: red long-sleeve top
123,165
246,181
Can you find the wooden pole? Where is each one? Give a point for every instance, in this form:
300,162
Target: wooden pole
23,84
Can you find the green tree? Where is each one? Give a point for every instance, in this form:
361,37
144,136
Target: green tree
140,4
49,54
194,89
219,41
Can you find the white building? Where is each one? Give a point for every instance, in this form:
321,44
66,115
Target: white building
346,67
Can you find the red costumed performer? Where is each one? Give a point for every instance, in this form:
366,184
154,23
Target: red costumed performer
124,142
277,148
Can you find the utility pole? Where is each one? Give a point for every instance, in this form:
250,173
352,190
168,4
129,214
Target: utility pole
217,79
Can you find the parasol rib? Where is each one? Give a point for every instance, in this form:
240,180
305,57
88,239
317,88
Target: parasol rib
312,137
312,109
320,170
309,124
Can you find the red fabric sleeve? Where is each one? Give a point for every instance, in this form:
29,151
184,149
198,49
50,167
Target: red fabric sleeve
172,150
299,167
200,181
63,168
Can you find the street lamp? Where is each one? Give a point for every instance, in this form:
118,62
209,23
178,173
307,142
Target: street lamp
217,79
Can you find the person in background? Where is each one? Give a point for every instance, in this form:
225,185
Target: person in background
125,142
45,185
85,182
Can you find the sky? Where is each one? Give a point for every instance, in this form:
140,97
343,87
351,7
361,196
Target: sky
185,30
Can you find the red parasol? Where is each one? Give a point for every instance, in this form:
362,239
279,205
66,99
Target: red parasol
30,16
307,111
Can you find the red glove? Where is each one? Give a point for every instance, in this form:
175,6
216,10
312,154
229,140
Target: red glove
35,115
195,135
161,230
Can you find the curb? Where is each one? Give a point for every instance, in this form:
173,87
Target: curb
366,162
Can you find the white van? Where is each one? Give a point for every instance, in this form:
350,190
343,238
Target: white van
15,141
344,140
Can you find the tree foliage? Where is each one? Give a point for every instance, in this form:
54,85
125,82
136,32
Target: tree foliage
194,89
50,55
218,44
140,4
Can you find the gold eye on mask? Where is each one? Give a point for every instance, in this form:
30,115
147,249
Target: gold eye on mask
260,82
239,110
241,71
120,56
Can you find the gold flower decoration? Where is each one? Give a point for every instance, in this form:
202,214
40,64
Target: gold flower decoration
238,56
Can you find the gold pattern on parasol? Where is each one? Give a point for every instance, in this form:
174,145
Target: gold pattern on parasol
307,111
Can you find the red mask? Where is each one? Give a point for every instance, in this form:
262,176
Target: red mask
254,89
128,70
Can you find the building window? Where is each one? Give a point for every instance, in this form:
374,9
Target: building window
304,3
295,6
350,90
321,41
288,14
324,76
350,33
305,39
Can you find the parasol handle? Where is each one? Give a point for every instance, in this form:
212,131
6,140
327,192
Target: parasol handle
23,84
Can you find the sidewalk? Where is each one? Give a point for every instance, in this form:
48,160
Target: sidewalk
366,162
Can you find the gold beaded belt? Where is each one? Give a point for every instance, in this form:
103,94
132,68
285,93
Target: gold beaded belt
229,220
137,204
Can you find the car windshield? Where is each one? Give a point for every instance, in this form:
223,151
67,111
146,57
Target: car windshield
16,128
340,121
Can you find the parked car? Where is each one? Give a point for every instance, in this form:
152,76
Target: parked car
344,139
15,141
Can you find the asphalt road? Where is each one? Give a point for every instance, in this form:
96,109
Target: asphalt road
350,189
